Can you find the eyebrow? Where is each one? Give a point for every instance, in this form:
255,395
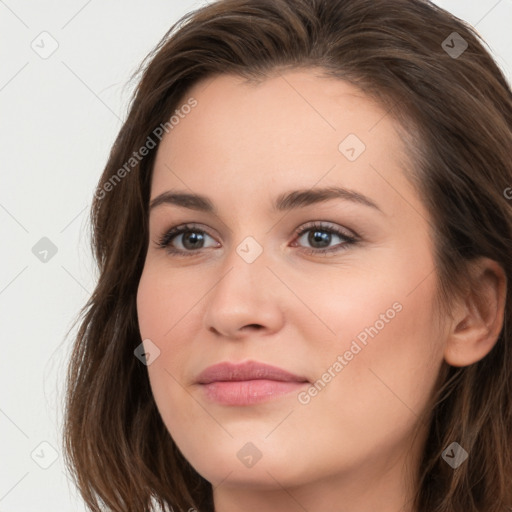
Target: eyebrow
284,202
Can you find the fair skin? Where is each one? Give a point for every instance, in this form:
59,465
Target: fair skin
352,445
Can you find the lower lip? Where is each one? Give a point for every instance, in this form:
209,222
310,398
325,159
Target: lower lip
249,392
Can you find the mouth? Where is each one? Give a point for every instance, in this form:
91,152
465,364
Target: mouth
247,383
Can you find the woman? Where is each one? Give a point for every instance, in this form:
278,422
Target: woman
303,234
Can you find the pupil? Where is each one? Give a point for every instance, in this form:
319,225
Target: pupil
320,237
191,238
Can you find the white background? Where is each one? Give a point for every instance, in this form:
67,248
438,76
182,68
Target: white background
59,118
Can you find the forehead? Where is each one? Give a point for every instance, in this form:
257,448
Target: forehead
292,108
295,128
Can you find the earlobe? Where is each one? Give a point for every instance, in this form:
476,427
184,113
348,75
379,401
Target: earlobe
478,317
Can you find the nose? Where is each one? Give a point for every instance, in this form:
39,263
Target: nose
246,299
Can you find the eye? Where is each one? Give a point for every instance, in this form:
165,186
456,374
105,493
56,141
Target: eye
188,238
320,236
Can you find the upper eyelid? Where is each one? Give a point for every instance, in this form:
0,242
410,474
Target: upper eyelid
322,224
325,225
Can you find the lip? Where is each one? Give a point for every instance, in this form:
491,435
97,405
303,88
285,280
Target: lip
247,383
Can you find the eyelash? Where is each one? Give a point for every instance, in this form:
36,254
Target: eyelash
164,241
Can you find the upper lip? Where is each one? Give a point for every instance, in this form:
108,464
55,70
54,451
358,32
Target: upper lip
250,370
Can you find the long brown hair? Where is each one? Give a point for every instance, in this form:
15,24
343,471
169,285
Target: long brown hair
457,108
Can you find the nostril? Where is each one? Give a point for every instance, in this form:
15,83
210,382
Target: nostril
254,326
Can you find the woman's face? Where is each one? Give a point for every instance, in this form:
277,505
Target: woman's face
249,282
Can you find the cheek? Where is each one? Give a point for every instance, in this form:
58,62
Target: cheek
376,372
165,302
158,309
163,313
369,405
376,378
169,314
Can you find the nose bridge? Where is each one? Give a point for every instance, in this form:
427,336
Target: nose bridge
244,270
243,293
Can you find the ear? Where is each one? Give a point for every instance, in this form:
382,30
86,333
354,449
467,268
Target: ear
477,317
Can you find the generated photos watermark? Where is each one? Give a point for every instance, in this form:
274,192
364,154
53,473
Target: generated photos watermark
356,346
144,150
